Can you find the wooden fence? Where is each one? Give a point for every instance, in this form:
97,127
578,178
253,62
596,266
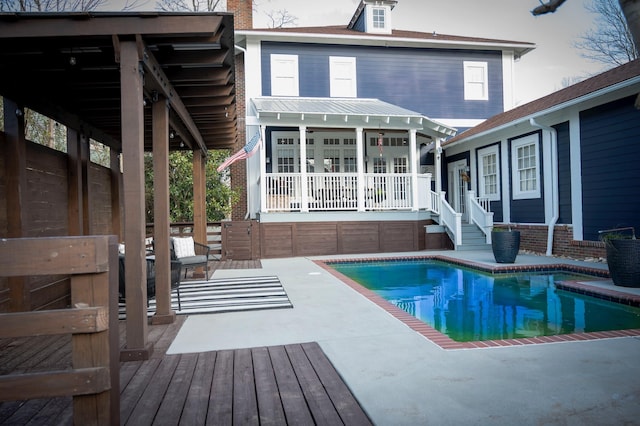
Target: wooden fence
92,321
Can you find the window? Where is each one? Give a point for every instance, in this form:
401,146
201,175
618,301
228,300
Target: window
400,165
476,83
284,75
311,160
378,16
489,168
342,72
379,165
525,165
350,165
286,161
332,160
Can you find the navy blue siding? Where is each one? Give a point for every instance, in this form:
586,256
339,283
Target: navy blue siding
529,210
610,147
359,24
564,173
429,81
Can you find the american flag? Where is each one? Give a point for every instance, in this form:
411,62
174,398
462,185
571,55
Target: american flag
247,151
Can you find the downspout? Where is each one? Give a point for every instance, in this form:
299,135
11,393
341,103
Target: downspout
555,197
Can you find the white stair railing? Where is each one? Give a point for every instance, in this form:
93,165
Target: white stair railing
451,220
479,215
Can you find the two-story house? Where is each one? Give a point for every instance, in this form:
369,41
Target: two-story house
371,105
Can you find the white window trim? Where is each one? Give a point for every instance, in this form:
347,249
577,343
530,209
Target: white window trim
468,65
333,62
481,189
515,179
277,89
387,20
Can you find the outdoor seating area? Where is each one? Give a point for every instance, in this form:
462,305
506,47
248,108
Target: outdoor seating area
190,254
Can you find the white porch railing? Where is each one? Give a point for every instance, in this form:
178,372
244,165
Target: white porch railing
479,214
339,191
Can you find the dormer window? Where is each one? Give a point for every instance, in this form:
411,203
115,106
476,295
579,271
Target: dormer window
378,16
378,19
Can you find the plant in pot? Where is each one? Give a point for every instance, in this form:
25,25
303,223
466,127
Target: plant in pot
623,255
505,244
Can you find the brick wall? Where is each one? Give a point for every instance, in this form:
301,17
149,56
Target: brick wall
243,19
534,238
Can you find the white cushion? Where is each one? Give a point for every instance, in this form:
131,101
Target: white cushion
184,247
121,248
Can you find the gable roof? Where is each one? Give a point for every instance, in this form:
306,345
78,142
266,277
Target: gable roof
557,100
335,33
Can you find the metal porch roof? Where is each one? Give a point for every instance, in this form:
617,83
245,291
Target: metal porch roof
344,113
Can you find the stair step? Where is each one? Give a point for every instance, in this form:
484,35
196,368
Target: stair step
466,247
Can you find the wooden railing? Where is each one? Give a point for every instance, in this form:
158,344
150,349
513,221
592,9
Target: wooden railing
92,321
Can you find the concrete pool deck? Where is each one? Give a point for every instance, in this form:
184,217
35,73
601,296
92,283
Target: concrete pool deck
400,377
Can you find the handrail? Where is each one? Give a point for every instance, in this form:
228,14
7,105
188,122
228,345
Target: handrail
479,216
451,220
93,381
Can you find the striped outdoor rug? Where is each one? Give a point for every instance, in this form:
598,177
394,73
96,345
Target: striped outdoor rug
226,295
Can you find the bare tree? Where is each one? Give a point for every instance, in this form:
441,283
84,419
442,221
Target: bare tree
281,19
630,10
611,42
61,5
189,5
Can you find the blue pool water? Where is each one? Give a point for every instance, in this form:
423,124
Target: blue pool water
470,305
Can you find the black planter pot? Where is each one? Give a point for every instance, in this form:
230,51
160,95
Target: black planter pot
505,245
623,258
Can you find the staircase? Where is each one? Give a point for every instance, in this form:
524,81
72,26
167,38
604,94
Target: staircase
473,238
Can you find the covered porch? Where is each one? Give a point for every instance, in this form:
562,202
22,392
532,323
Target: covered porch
358,155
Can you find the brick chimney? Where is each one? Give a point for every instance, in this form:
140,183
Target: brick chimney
242,13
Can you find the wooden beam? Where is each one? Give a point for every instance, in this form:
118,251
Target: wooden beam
18,256
157,80
160,118
134,226
82,381
116,191
52,322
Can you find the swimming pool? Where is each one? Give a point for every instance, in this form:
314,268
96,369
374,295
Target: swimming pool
471,305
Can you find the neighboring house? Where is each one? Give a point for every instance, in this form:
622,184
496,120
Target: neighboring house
560,168
372,104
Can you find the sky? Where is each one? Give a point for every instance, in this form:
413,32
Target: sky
537,74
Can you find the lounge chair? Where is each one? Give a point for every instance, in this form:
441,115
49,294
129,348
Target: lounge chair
190,254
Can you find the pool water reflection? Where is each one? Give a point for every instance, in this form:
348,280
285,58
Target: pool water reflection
469,305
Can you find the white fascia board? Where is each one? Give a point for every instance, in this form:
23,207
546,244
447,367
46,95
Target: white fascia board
380,40
616,91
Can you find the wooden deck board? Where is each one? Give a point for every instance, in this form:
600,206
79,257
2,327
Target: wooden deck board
276,385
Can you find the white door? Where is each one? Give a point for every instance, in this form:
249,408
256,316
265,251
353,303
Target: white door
457,191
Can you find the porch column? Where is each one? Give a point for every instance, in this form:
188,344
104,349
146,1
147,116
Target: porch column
414,169
360,166
199,202
160,130
131,84
263,170
16,205
438,164
304,188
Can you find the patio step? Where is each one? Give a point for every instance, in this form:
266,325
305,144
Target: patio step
473,238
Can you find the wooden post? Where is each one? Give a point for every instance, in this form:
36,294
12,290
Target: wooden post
116,190
199,202
132,108
76,203
16,181
160,119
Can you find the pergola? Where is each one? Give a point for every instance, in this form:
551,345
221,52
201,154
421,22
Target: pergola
135,82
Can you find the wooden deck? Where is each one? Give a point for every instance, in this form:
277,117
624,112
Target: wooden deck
292,384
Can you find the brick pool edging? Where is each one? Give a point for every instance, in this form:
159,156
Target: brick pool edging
445,342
